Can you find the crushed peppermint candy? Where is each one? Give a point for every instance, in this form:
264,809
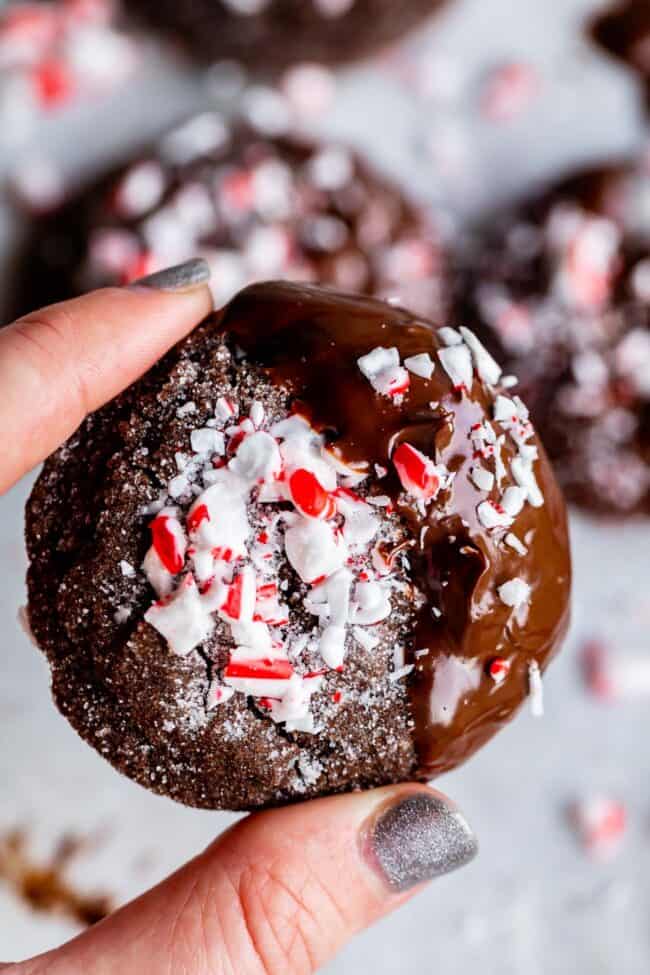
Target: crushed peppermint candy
615,676
488,368
514,593
498,669
600,823
457,362
420,477
211,568
382,369
57,54
535,690
420,365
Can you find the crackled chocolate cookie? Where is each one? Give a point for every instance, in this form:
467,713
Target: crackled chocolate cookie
624,31
269,34
255,207
318,547
560,290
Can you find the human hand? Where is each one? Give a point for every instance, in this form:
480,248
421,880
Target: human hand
283,890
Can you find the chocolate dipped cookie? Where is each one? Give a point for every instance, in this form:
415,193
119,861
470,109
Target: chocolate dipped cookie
255,207
269,34
559,289
624,32
318,547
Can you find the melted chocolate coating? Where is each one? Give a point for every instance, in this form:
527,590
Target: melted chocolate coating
309,340
283,31
624,31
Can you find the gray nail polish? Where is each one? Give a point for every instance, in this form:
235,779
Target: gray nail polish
418,838
182,277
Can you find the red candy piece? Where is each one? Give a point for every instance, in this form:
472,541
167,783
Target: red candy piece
145,263
54,83
262,669
238,191
499,669
309,496
267,591
222,554
166,544
400,384
416,472
240,601
29,27
197,517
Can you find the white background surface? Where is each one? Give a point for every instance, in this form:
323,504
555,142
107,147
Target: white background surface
532,904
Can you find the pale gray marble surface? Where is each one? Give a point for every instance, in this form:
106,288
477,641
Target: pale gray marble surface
532,904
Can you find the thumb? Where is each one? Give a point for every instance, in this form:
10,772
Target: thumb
280,892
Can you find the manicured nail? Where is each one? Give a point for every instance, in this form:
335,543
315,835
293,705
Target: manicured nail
182,277
418,838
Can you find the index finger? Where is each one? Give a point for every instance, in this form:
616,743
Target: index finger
62,362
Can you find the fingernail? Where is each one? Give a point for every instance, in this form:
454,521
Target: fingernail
182,277
417,838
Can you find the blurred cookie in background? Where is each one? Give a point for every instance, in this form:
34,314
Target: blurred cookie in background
55,54
560,289
269,34
624,31
255,206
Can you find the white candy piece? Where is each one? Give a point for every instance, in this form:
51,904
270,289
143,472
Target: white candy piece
218,693
360,522
457,362
257,414
214,595
522,471
450,336
488,369
225,409
371,603
293,708
227,526
294,426
382,369
332,645
504,409
182,620
513,500
482,478
252,634
257,459
420,365
208,441
516,544
514,593
535,690
338,588
313,550
491,517
159,578
141,189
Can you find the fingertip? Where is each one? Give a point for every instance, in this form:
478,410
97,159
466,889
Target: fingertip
413,835
183,278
